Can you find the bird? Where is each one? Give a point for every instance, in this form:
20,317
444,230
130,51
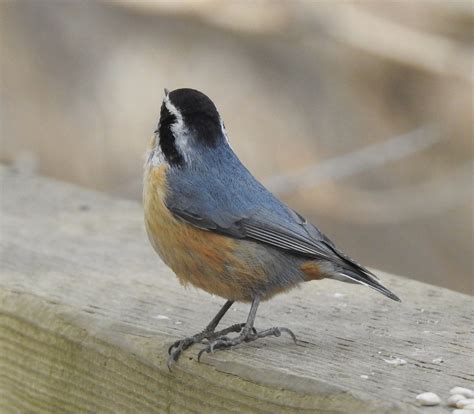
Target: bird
221,230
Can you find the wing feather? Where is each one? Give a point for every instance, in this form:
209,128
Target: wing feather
258,229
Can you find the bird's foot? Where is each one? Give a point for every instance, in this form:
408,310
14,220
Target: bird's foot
181,345
223,342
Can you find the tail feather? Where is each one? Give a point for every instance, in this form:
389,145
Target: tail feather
367,280
347,270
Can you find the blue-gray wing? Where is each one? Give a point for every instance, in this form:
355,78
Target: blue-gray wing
226,199
289,232
261,227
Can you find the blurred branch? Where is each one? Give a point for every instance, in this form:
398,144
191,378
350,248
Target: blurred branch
347,22
355,162
407,203
363,30
255,17
391,206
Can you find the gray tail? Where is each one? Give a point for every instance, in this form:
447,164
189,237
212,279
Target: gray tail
368,279
349,271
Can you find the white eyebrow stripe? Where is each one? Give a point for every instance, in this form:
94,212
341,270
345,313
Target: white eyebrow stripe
173,110
179,130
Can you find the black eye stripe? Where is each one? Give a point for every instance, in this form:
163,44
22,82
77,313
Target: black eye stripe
167,138
166,117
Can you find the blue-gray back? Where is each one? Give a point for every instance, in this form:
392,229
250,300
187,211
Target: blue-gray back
216,192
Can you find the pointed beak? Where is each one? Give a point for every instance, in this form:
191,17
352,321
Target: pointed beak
166,92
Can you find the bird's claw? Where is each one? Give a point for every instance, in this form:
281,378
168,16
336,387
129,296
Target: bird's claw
224,342
177,348
174,352
183,343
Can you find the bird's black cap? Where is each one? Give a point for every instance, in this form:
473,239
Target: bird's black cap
199,114
190,101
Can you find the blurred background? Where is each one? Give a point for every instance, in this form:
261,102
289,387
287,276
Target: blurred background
358,115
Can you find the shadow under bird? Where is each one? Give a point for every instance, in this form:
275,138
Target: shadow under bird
220,230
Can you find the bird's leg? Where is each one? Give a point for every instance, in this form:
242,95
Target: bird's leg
248,333
179,346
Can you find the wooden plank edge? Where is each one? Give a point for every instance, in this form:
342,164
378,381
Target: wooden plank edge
55,358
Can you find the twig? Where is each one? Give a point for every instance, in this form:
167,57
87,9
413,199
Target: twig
355,162
428,51
402,204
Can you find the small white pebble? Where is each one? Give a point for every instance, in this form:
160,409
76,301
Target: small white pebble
428,399
161,317
464,403
339,295
364,376
178,323
463,391
462,412
438,360
454,399
395,361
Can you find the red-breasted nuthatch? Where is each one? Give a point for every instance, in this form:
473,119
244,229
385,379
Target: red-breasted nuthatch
220,230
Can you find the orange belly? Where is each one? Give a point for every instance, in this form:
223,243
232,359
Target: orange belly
207,260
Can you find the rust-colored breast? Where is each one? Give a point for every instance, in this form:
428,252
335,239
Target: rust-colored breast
205,259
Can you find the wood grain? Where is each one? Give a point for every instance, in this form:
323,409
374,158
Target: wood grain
87,311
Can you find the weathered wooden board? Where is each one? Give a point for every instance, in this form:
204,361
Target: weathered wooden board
87,311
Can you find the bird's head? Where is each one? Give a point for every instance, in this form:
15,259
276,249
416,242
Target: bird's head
189,124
